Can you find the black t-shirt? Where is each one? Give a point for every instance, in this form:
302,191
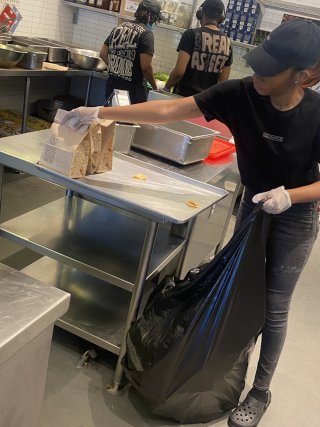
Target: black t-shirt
273,147
126,42
209,50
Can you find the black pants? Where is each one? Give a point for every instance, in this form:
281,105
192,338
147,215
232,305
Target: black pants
137,92
291,238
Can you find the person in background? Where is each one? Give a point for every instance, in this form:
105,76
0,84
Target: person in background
128,52
274,118
205,53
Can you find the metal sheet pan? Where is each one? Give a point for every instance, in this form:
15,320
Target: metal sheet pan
23,151
163,193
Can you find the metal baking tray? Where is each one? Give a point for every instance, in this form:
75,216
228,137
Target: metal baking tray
164,195
181,142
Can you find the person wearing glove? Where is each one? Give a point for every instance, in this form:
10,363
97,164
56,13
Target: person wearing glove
274,201
79,118
275,121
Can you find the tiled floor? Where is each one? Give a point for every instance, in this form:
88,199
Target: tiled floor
78,398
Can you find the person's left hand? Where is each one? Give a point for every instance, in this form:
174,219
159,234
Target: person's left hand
79,117
274,201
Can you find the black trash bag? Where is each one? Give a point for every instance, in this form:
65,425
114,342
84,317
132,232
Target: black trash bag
187,355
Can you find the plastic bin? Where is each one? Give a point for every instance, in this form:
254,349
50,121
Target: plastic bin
28,311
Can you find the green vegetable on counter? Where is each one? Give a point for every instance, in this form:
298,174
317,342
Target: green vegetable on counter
160,75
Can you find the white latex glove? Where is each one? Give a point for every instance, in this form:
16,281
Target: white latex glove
276,200
77,118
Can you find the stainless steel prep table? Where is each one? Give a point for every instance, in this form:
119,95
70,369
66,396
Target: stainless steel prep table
103,245
29,74
207,233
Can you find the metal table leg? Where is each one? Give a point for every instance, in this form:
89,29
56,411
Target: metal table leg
88,91
148,245
25,104
1,184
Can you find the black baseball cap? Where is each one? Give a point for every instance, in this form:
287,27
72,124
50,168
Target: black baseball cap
152,6
294,44
213,8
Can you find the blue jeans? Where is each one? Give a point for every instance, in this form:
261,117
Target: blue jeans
290,241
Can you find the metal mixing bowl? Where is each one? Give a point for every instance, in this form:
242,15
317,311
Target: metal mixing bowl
101,65
85,59
10,55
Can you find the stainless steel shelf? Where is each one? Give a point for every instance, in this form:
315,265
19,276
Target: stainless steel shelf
93,239
98,310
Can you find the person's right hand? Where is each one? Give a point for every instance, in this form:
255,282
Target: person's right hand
81,116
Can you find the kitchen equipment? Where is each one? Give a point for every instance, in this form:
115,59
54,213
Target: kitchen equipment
55,51
181,142
85,59
123,136
5,38
220,148
155,95
47,108
10,55
101,65
33,59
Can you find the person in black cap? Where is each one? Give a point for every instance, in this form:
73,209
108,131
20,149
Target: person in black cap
128,52
205,53
275,121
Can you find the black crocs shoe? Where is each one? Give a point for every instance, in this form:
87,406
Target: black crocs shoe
249,413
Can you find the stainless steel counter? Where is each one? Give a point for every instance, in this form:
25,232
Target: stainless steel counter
207,233
200,171
22,152
28,310
27,307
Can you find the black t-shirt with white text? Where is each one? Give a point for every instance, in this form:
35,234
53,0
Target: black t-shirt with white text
126,42
210,51
274,147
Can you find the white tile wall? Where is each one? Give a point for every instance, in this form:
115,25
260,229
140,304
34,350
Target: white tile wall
45,18
92,29
239,67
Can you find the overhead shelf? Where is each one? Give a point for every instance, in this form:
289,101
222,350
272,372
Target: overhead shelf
116,14
93,239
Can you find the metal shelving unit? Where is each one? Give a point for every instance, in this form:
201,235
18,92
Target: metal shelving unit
101,244
97,310
92,239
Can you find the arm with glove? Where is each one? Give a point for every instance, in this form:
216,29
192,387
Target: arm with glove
145,112
279,199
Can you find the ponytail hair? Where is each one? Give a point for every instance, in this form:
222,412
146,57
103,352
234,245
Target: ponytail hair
313,76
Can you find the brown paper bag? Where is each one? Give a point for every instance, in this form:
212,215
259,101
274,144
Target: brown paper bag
65,151
107,137
94,138
77,153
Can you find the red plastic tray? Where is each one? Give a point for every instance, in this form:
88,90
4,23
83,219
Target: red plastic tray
220,148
